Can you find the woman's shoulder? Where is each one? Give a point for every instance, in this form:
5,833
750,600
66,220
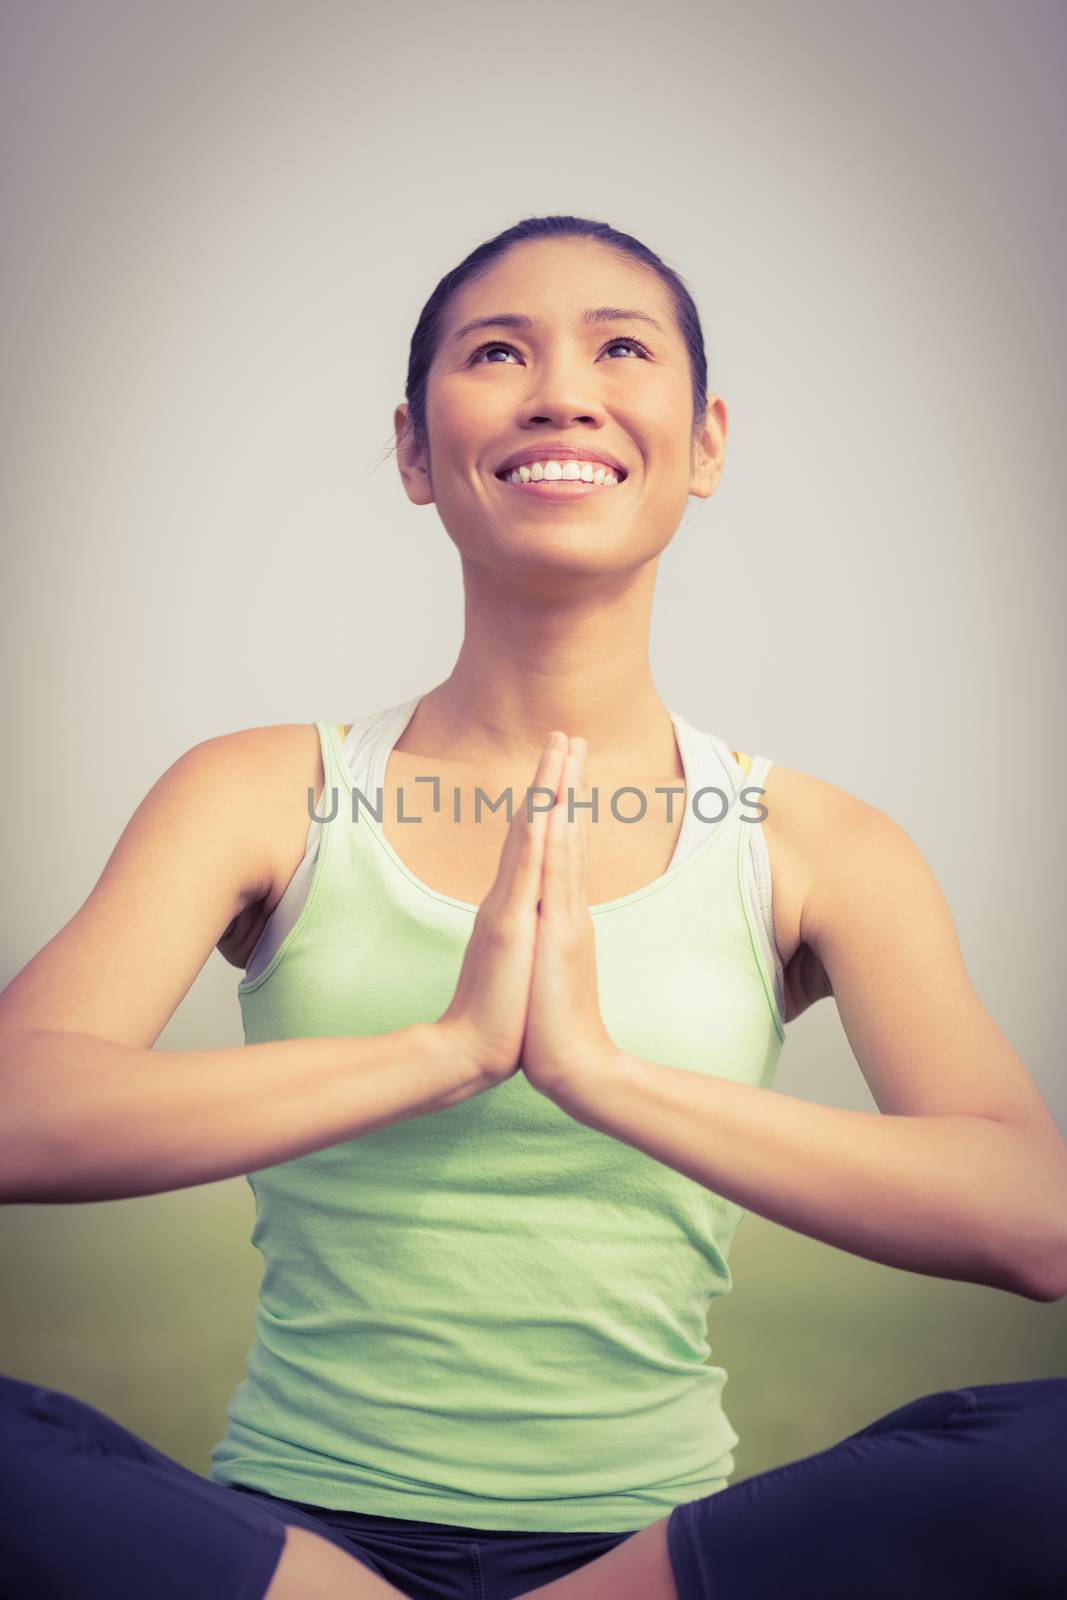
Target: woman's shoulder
271,760
275,745
809,811
284,760
814,806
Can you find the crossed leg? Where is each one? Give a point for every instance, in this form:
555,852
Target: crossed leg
89,1508
961,1493
956,1495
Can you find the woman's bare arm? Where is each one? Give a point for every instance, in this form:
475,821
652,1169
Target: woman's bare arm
90,1111
960,1174
87,1118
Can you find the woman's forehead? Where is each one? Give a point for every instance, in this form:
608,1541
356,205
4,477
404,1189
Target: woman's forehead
544,281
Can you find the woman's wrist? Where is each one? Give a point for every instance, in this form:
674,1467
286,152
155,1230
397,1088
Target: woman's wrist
454,1053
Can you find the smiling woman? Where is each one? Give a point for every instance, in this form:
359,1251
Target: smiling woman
507,1088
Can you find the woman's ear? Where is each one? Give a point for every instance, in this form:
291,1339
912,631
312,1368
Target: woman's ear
709,449
413,466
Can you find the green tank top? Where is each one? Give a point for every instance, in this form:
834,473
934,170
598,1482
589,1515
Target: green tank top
492,1315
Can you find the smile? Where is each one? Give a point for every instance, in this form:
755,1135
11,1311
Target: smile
556,488
555,480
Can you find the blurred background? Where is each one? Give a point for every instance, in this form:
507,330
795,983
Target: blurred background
220,223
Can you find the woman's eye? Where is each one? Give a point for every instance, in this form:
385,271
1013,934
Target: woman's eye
483,349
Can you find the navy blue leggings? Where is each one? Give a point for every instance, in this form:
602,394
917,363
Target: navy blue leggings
959,1493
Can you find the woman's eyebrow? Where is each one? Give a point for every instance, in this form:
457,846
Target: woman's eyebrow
513,319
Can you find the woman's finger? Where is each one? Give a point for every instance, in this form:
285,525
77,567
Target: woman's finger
548,777
555,875
587,831
576,830
519,829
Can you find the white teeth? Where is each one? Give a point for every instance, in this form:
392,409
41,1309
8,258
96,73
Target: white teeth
553,471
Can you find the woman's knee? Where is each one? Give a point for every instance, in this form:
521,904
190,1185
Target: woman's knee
1029,1402
1041,1396
925,1412
37,1421
1005,1450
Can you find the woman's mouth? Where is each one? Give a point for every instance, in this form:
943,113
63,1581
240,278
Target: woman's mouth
556,486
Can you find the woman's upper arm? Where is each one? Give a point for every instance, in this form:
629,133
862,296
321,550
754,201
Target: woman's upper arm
191,856
879,922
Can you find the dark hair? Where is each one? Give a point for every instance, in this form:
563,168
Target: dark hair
427,332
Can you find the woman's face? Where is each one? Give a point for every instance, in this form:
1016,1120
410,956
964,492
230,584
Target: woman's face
497,389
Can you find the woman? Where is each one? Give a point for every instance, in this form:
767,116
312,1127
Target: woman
506,1088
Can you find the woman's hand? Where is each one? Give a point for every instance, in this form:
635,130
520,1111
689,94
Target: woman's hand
565,1037
487,1013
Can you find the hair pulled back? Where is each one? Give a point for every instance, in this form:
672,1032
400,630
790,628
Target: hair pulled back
424,340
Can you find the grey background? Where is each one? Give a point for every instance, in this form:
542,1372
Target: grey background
219,225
